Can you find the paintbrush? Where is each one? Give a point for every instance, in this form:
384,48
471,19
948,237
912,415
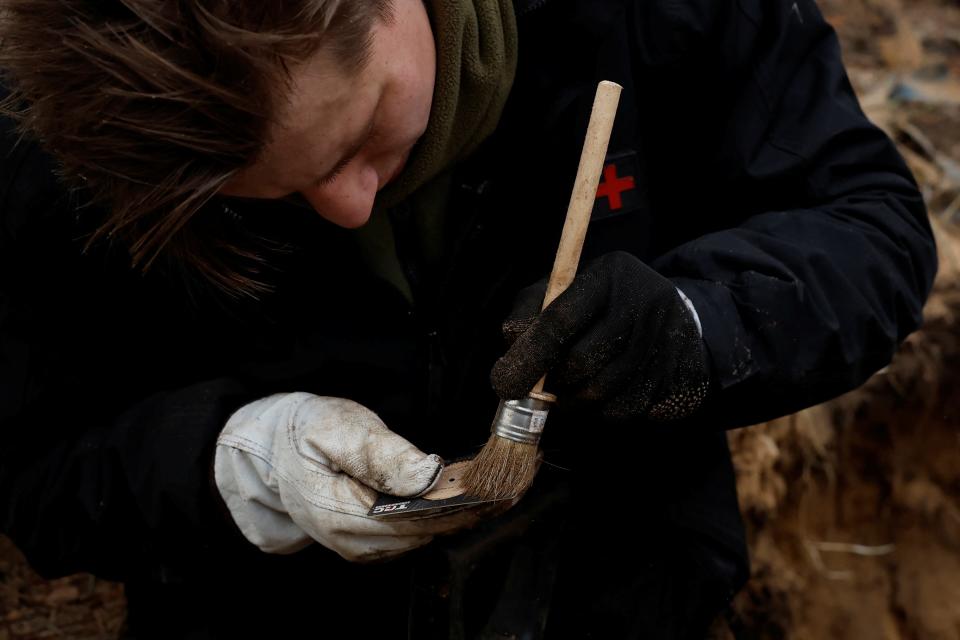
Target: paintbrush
507,464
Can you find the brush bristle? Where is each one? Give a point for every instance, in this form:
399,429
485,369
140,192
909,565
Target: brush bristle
503,469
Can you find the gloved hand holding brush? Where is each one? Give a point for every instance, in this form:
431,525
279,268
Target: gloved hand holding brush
295,467
619,339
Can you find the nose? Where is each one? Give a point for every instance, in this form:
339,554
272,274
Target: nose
347,201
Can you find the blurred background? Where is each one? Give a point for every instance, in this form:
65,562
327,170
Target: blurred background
852,508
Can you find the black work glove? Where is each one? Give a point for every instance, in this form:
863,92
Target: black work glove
619,340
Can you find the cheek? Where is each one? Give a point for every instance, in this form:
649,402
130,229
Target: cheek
409,110
424,101
406,120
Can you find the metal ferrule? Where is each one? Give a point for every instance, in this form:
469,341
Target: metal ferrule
523,420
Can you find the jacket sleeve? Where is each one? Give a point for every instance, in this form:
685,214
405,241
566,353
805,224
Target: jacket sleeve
95,475
829,257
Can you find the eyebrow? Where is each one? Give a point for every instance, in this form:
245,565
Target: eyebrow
349,155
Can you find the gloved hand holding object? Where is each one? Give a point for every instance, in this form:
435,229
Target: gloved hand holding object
620,339
297,467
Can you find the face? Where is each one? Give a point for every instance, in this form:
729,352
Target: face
341,138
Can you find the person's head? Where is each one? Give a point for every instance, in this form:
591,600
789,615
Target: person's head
158,105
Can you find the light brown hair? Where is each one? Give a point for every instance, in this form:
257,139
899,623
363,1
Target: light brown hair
153,105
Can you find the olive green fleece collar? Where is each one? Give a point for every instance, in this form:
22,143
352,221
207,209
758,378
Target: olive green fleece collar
476,63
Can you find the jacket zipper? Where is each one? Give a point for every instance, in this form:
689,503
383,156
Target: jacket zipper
530,7
466,196
423,309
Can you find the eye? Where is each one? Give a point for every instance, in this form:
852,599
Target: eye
372,138
334,174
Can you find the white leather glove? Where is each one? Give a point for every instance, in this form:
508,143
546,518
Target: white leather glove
295,467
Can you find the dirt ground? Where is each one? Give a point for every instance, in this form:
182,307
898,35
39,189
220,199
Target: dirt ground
78,607
853,508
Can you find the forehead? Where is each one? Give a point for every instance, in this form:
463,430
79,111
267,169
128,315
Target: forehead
322,109
320,99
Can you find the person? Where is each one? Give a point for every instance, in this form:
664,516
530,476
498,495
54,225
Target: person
259,258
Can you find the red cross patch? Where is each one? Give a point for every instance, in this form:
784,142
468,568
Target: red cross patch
617,192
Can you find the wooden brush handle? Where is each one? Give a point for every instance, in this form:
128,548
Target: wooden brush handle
584,194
